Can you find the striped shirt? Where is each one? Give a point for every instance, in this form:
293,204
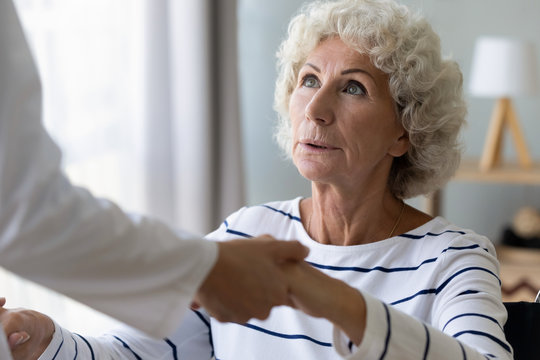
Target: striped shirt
431,293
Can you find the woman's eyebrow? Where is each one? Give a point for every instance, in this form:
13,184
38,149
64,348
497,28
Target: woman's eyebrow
344,72
355,70
313,66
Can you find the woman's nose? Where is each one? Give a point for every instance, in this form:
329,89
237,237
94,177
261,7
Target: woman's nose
320,108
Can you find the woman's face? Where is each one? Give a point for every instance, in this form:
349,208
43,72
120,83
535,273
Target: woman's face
344,122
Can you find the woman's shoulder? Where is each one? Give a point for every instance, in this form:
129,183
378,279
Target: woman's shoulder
287,208
267,218
450,236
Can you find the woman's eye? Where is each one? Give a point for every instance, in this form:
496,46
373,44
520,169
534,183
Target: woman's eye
310,81
353,88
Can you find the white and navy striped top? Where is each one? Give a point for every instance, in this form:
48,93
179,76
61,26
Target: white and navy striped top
431,293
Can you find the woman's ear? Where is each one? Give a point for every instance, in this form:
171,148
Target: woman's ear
401,145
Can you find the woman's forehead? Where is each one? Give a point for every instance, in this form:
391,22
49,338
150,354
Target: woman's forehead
333,52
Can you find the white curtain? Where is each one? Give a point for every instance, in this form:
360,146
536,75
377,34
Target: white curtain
142,97
198,46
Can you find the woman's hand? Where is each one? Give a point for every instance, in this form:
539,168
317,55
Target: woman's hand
320,295
28,332
247,280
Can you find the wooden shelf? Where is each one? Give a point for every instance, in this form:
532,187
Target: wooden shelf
506,173
469,170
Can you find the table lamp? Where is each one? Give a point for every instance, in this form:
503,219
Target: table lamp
503,68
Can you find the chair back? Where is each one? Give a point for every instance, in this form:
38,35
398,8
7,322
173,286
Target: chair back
522,329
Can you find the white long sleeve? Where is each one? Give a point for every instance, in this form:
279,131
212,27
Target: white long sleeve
394,334
435,295
190,341
62,237
432,293
5,353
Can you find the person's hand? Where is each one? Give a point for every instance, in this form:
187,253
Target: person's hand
320,295
28,332
247,280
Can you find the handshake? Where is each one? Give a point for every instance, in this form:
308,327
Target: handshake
250,277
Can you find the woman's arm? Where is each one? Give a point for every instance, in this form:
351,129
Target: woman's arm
320,295
18,324
366,327
47,340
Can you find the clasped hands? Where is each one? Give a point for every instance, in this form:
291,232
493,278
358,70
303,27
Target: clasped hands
250,277
28,332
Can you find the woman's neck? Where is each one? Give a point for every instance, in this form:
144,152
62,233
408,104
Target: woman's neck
339,218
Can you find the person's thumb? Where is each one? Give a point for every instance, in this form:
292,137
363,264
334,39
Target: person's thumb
17,338
290,251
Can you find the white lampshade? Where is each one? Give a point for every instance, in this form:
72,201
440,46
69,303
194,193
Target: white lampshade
503,67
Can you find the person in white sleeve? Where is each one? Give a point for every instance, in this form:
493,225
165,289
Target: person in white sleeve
60,236
370,113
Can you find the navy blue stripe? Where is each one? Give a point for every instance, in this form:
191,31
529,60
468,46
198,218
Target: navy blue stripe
416,237
292,217
59,347
285,336
468,292
469,247
472,314
388,332
89,346
203,319
127,347
428,340
390,270
76,347
235,232
489,336
463,351
173,347
366,270
443,285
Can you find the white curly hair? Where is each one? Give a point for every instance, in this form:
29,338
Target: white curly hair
426,88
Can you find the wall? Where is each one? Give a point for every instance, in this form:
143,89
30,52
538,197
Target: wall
485,208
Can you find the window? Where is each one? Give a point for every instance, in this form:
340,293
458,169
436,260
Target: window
88,56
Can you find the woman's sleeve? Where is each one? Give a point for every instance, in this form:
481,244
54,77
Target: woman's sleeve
191,340
62,237
467,318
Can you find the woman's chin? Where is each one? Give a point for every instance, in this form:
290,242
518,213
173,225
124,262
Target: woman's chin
314,172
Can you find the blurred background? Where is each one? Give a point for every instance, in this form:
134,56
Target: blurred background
165,106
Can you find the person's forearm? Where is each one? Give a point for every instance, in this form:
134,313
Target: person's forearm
64,238
5,352
320,295
350,313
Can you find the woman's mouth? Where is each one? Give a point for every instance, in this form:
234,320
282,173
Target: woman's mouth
317,146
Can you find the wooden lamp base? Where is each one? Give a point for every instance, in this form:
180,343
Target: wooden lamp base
503,115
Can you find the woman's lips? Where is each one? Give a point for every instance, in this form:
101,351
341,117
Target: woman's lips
317,146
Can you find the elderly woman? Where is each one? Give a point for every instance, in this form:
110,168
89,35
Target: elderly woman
370,114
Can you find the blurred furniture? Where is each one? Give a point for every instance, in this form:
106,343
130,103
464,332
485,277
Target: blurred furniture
503,68
522,329
520,273
469,171
508,173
